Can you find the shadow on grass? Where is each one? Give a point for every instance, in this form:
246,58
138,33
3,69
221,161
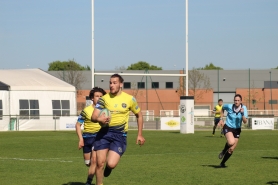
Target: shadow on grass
74,183
213,136
175,132
270,158
213,166
272,182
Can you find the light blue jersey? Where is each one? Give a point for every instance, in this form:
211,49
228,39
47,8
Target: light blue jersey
234,119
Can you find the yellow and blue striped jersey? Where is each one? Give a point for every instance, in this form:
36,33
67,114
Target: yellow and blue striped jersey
217,108
85,118
120,107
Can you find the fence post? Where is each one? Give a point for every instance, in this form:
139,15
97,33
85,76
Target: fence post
55,123
156,123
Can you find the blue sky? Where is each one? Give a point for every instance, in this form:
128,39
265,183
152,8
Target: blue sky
232,34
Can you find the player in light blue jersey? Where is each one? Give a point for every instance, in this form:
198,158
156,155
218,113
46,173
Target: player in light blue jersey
236,114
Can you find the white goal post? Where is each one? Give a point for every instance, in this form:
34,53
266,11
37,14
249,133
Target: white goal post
140,74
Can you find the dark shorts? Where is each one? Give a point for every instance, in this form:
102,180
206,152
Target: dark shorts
236,131
112,139
89,140
216,121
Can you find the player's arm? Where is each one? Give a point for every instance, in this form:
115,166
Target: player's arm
95,115
244,114
136,110
79,134
99,118
221,121
214,109
140,139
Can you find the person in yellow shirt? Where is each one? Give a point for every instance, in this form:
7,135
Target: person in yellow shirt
87,138
110,142
217,110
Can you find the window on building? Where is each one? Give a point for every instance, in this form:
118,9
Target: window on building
141,85
169,85
127,85
155,85
60,108
1,110
29,109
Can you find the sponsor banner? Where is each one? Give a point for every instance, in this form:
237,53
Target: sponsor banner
170,123
262,123
68,123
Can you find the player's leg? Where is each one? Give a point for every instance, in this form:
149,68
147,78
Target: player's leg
232,140
116,150
112,160
214,127
229,153
101,146
88,158
92,168
101,159
227,145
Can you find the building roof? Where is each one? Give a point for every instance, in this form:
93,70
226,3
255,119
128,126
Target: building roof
30,80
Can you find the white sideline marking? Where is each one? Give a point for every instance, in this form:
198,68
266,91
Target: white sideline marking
186,153
42,160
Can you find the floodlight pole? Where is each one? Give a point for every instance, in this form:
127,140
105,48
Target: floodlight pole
186,47
93,45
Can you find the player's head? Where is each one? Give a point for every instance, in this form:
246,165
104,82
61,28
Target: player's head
237,100
116,84
220,102
96,93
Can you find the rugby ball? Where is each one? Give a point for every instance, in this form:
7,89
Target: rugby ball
107,114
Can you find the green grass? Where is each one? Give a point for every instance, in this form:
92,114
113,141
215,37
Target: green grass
52,158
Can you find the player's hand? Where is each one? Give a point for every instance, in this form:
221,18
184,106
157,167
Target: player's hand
80,144
242,110
140,140
103,119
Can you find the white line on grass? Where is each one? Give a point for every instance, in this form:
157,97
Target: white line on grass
41,160
186,153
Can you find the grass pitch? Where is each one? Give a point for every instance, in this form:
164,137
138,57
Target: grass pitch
168,157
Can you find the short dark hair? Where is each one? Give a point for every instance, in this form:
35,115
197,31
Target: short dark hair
238,95
220,100
118,76
96,89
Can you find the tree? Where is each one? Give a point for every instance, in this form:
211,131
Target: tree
254,96
198,84
70,72
66,66
210,66
142,65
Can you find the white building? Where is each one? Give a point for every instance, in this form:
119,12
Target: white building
31,99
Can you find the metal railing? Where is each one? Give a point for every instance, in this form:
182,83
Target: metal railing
151,121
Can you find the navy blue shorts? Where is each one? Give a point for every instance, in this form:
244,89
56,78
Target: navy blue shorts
112,139
236,131
89,140
216,121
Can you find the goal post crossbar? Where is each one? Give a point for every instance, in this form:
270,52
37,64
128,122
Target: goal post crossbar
140,74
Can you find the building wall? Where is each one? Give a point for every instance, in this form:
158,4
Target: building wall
222,81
